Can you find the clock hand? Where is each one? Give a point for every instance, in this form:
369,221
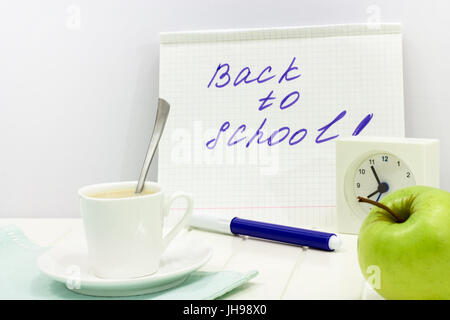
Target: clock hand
372,194
382,188
375,174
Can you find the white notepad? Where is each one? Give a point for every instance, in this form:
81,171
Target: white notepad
346,72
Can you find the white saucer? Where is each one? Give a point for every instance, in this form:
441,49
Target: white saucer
70,266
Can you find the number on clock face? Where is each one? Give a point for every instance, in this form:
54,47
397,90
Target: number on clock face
380,174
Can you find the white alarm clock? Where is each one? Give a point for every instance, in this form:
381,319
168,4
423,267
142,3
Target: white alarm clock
374,167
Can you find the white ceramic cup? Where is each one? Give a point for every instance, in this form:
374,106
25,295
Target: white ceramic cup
125,236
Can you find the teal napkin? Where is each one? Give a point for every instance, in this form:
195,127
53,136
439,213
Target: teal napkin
20,277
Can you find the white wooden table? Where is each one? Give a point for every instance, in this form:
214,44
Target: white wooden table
285,271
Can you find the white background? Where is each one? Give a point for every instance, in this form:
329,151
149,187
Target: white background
79,82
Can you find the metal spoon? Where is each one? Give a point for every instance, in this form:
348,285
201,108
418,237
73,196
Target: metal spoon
158,128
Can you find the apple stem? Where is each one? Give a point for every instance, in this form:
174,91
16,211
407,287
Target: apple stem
382,206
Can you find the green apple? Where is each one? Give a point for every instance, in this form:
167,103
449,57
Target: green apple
410,258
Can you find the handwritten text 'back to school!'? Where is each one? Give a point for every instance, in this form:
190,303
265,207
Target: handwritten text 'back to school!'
222,78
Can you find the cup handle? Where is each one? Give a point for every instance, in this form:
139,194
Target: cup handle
183,221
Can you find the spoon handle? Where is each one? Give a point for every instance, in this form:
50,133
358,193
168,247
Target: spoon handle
158,128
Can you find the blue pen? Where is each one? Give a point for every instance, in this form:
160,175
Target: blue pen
233,225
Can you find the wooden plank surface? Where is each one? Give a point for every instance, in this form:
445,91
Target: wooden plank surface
285,271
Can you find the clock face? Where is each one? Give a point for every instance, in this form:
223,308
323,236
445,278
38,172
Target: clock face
378,175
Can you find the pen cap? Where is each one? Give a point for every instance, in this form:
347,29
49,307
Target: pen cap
211,221
334,242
